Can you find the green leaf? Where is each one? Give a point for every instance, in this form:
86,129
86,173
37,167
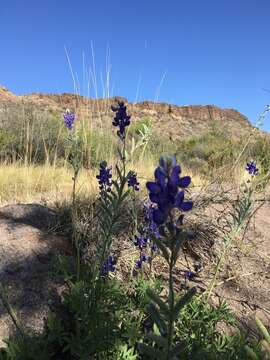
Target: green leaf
118,171
250,353
263,329
149,351
179,239
156,299
154,314
265,347
106,209
163,249
184,300
116,185
124,195
159,340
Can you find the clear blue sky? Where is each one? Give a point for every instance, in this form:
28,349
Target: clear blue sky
200,52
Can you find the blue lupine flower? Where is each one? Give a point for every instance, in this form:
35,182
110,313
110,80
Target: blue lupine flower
165,190
143,258
104,177
69,118
109,265
140,241
150,227
132,181
251,168
189,274
121,119
154,248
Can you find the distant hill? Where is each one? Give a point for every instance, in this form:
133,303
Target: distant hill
168,120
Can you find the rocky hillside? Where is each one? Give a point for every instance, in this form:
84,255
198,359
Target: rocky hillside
169,120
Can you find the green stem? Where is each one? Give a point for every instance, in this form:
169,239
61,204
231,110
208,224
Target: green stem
74,190
124,157
228,241
107,240
11,312
171,307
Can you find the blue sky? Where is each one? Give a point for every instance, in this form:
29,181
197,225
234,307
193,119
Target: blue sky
183,52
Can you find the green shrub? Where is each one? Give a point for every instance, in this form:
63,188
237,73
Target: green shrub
137,127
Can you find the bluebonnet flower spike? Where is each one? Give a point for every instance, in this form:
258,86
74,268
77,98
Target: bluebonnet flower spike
132,181
109,265
121,119
251,168
167,190
69,119
104,177
143,258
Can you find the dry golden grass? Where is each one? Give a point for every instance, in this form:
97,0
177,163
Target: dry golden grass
20,183
23,183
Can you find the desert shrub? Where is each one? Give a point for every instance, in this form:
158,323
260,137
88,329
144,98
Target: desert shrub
138,126
259,149
209,152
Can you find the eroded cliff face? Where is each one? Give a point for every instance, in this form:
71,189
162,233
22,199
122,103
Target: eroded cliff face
169,120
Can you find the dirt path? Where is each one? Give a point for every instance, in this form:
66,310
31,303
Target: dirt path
25,253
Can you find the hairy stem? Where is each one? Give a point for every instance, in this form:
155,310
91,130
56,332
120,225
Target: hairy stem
171,306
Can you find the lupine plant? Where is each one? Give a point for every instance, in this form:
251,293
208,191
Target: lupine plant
73,156
167,193
113,192
75,160
239,215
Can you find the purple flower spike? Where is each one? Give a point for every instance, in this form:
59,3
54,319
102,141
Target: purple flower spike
104,177
143,258
167,189
121,119
69,119
140,241
108,266
251,168
132,181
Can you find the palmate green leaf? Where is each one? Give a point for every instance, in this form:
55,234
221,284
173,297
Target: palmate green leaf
156,317
159,340
152,352
164,309
163,249
184,300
